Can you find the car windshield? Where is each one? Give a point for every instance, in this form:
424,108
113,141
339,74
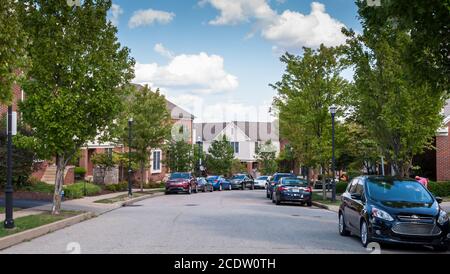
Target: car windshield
179,176
277,177
398,191
262,178
210,178
239,177
294,182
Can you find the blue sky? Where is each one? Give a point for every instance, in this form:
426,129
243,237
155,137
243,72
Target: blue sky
216,58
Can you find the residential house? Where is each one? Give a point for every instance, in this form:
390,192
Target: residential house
244,137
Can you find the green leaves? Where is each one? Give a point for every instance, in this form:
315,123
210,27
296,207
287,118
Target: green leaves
220,157
180,156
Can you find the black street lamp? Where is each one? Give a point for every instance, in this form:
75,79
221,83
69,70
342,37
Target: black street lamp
333,110
9,220
199,145
130,191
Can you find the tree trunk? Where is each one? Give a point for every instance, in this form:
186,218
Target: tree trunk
59,182
142,176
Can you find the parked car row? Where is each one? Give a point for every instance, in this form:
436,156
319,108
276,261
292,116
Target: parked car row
186,182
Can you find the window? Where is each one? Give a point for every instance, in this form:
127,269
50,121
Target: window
235,146
109,152
156,166
256,147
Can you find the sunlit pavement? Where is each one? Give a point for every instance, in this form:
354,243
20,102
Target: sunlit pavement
221,222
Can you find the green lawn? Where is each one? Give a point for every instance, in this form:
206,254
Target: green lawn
124,197
319,198
33,221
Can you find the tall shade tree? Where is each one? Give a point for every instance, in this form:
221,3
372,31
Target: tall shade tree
12,49
180,156
79,71
400,114
219,159
151,128
266,155
427,23
309,86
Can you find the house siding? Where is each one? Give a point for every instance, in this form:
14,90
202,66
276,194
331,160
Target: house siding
443,156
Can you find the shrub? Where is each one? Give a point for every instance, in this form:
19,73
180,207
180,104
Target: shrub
40,187
81,171
441,189
76,190
122,186
341,187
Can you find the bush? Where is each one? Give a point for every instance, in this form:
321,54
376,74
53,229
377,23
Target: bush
341,187
122,186
81,171
40,187
441,189
76,190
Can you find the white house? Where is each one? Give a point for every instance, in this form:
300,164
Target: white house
244,137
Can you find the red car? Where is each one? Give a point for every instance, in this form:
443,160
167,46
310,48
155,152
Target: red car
183,182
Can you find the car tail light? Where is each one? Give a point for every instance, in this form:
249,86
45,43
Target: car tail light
282,188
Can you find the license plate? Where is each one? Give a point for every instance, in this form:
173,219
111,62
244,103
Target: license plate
296,190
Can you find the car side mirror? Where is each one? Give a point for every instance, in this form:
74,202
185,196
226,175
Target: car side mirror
439,200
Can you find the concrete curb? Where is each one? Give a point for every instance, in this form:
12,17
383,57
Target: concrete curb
138,199
30,234
323,206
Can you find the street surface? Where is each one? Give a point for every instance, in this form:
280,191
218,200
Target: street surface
228,222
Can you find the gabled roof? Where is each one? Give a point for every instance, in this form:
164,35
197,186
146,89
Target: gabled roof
256,131
176,111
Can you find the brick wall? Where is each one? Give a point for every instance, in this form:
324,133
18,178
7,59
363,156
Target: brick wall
17,95
443,157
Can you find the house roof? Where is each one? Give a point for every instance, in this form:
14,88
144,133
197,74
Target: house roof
256,131
176,111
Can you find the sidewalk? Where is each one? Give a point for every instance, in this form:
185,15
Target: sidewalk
86,204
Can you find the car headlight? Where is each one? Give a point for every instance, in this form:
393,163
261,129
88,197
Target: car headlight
443,217
381,214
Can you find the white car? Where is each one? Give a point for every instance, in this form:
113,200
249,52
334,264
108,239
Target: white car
261,182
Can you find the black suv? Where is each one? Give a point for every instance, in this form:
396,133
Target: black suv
393,210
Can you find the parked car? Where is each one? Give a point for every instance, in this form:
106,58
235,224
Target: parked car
261,182
242,181
274,180
204,185
219,182
181,182
291,189
393,210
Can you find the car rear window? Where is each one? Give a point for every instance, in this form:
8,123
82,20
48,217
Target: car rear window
277,177
294,182
179,176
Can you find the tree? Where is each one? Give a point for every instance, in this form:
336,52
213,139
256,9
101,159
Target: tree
220,156
426,23
13,56
310,85
237,167
79,70
151,126
180,156
266,156
400,114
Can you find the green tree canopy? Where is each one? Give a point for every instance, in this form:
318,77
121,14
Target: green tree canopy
220,157
266,155
180,156
79,71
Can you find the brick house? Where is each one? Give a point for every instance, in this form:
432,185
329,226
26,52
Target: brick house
157,170
443,148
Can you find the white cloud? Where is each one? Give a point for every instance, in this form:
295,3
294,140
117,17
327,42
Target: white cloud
289,29
238,11
160,49
199,73
116,12
150,16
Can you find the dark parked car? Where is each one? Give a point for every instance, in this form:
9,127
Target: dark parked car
204,185
291,189
181,182
242,181
393,210
274,180
219,182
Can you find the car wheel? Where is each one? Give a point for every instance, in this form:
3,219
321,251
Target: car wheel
267,194
243,186
309,204
364,234
277,201
166,193
273,198
441,248
342,227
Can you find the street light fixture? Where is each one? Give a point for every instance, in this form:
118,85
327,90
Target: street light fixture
9,220
333,110
130,124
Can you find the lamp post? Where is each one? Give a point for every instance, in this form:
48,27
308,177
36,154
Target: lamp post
199,143
130,124
9,220
333,110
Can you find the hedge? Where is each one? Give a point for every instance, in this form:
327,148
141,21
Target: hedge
123,186
76,191
40,187
440,189
80,171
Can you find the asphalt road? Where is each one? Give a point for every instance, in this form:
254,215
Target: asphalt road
228,222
